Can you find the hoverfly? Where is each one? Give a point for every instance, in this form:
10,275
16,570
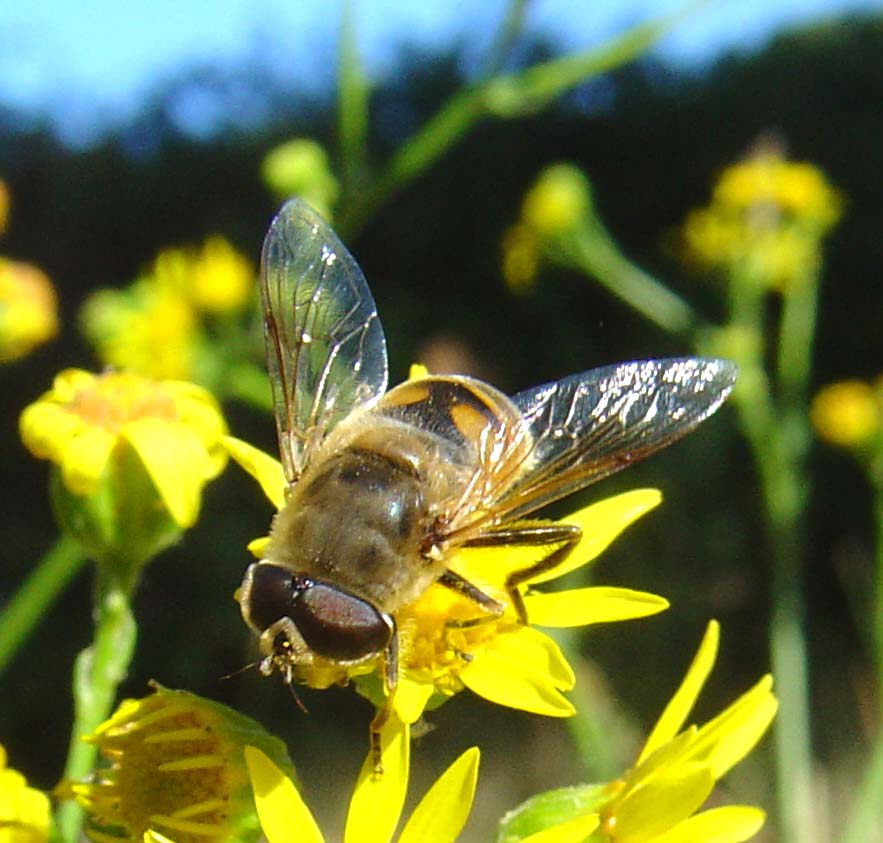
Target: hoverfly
383,486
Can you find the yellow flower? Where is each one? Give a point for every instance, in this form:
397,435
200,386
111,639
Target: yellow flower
28,309
376,803
657,800
24,811
765,222
174,768
500,658
215,278
133,456
849,413
300,167
148,328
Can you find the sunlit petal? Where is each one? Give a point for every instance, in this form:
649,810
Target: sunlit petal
410,699
661,802
84,460
264,468
377,800
595,604
442,812
680,705
523,670
726,740
601,523
730,824
280,807
178,465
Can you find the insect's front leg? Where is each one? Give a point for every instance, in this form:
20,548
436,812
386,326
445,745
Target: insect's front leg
390,683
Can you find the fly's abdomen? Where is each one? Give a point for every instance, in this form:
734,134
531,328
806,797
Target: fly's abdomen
357,520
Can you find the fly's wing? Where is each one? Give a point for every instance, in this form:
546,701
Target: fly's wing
326,353
587,426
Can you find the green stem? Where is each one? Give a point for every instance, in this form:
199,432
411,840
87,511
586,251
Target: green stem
596,253
352,104
779,440
506,36
864,821
30,603
98,671
877,598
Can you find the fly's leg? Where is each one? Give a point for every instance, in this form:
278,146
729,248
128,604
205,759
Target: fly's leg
531,535
390,683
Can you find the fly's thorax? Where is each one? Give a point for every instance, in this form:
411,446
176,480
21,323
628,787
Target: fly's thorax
358,515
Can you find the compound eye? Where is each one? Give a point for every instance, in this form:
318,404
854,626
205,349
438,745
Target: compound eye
271,595
339,625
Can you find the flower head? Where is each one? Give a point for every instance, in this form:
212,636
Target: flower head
376,804
442,649
657,800
28,309
765,222
24,811
174,768
132,454
157,326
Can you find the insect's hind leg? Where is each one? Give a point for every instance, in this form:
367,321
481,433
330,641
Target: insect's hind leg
531,535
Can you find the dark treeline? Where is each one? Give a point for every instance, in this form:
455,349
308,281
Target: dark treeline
650,138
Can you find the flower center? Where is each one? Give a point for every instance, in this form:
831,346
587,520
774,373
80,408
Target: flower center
120,397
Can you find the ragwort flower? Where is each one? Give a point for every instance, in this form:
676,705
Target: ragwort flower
848,413
132,456
157,326
765,222
24,811
499,658
174,770
376,804
657,800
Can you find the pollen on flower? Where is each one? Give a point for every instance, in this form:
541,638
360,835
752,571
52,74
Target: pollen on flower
170,769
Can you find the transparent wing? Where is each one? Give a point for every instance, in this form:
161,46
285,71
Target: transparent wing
589,425
326,353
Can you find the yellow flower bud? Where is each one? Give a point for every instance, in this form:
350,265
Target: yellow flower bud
300,168
28,308
557,202
847,413
24,811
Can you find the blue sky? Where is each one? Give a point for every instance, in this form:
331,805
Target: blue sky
93,60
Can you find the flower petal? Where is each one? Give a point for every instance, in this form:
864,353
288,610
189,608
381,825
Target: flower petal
572,831
264,468
442,812
724,741
595,604
177,462
280,807
523,669
601,523
411,698
377,800
680,705
84,459
730,824
662,802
